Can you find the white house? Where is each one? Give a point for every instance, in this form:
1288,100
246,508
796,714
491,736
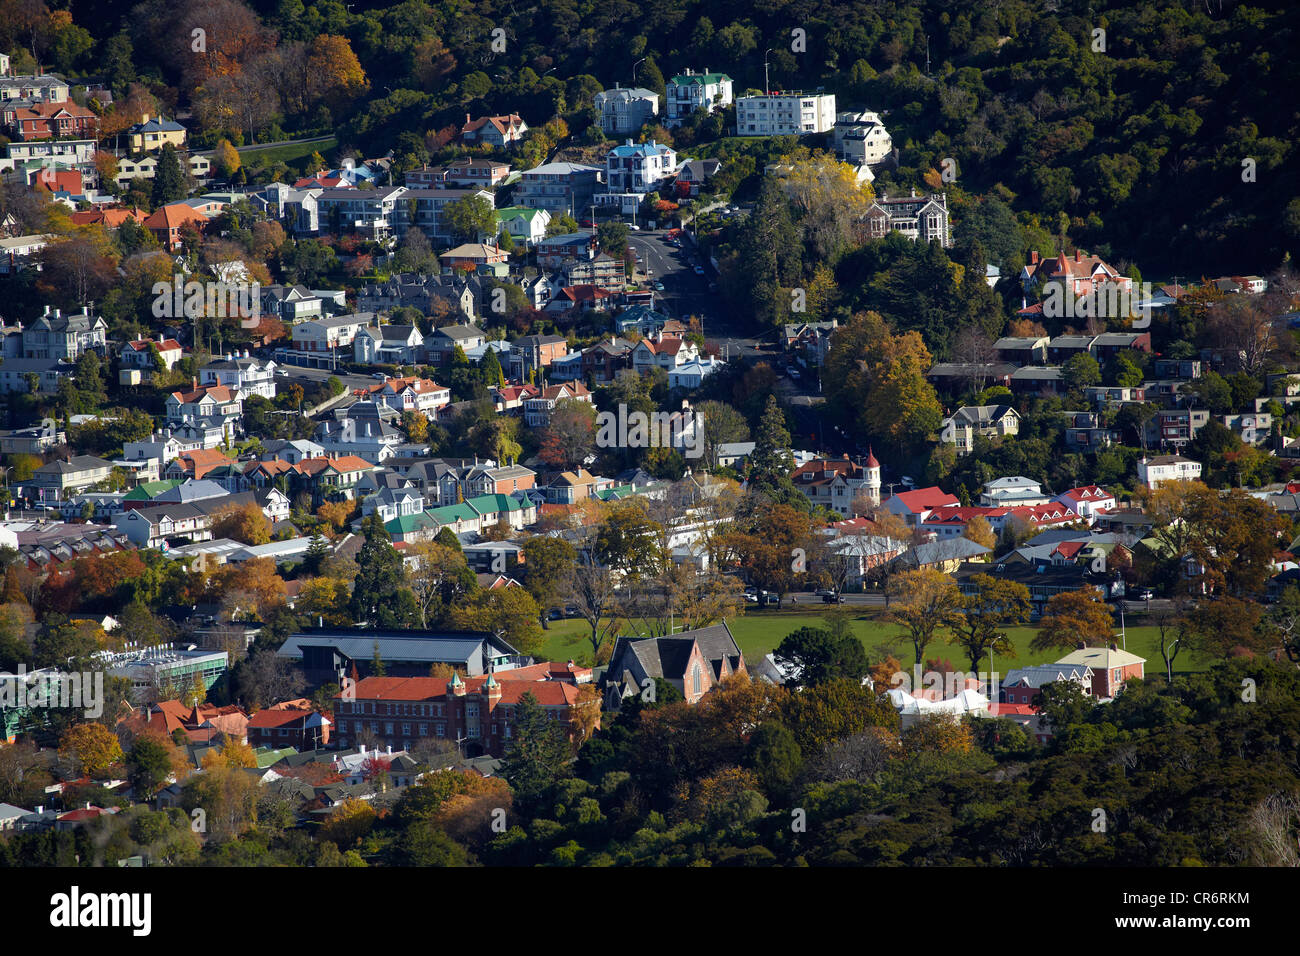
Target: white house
1012,492
242,374
624,111
1087,501
692,374
1152,472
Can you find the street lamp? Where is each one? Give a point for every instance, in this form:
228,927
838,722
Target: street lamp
634,66
766,85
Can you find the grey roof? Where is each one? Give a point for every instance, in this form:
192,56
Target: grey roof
430,646
75,466
950,549
459,332
1036,675
667,656
192,490
976,414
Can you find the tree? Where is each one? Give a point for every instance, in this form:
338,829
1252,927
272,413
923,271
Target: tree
548,563
334,73
979,531
440,575
93,747
814,655
590,587
226,159
470,218
771,461
923,601
171,181
1072,617
510,612
820,715
985,615
570,434
246,523
380,578
1080,371
539,752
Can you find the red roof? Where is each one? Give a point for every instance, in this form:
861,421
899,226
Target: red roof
1012,710
923,499
548,693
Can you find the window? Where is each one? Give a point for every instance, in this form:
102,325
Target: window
406,730
442,730
424,730
388,729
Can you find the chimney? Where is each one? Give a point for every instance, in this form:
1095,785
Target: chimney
1113,647
1078,256
1081,645
144,118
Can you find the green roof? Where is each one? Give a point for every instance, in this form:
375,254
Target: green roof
449,514
698,78
516,212
266,756
149,490
408,523
492,504
622,491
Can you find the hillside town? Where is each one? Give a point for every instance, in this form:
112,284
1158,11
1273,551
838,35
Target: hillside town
412,457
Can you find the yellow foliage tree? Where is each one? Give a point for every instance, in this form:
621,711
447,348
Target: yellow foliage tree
94,748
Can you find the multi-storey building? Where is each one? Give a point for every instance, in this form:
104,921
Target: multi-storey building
917,217
690,91
784,114
559,188
624,111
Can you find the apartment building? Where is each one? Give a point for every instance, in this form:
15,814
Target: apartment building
784,114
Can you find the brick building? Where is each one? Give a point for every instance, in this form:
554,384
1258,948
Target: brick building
477,713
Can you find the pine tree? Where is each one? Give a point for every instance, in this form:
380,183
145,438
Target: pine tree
539,753
376,601
317,551
491,369
771,459
170,182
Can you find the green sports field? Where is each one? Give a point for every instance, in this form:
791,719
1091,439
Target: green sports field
760,632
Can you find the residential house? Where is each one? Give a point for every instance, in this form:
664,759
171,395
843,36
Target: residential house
443,342
1080,274
860,139
241,374
985,421
291,723
373,213
468,173
533,353
1022,350
1110,668
690,91
57,479
915,506
693,175
500,131
54,335
832,483
412,394
625,110
917,217
388,345
65,120
430,211
663,351
634,170
1160,469
537,410
1011,492
1087,501
171,222
524,225
322,339
153,133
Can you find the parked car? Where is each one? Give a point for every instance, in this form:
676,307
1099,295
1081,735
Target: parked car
658,286
699,270
832,598
1143,594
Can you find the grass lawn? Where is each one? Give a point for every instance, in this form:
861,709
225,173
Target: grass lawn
292,154
759,633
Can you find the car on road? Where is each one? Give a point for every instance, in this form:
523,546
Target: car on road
659,287
832,598
586,222
1143,594
281,373
634,227
380,376
699,270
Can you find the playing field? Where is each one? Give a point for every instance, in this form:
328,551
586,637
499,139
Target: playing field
759,633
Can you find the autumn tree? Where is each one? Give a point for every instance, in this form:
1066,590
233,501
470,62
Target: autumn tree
510,612
570,434
980,627
1074,617
439,575
246,523
923,601
592,590
93,748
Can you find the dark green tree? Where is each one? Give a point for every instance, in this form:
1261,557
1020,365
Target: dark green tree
380,580
170,182
815,655
539,753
